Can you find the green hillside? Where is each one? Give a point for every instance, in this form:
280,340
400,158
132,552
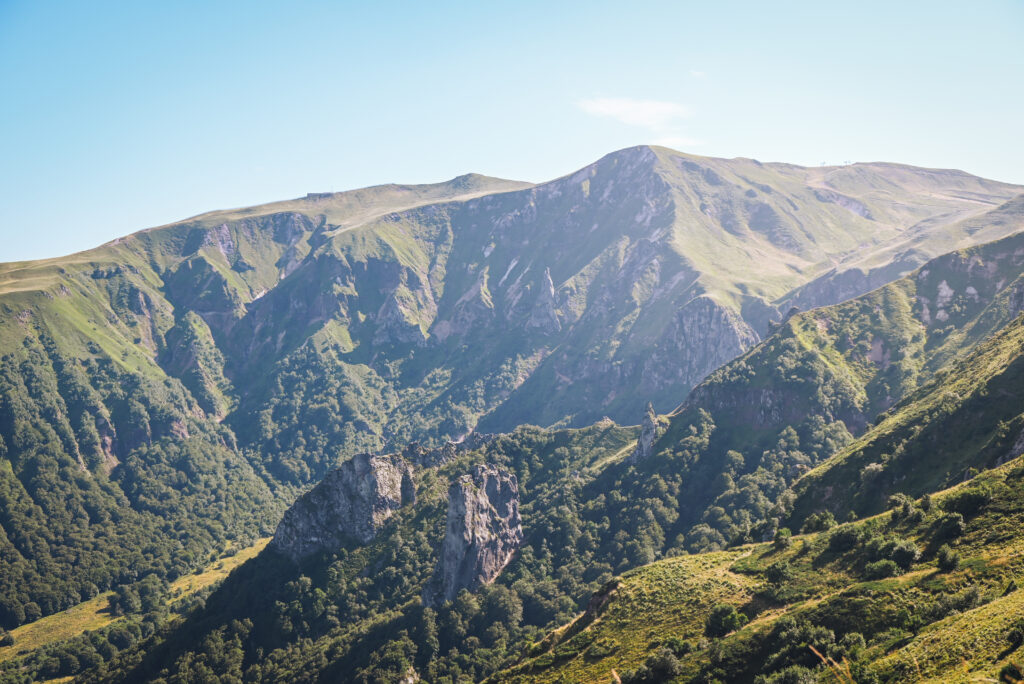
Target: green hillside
947,609
174,390
647,548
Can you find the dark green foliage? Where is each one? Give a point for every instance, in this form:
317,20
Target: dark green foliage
783,539
968,502
948,559
175,491
844,538
661,666
722,619
1015,635
818,522
881,569
1011,674
951,526
778,573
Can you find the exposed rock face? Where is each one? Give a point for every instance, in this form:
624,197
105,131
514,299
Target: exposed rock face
483,531
353,501
544,316
648,433
419,455
1018,447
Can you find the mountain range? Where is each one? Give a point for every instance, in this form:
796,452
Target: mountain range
811,342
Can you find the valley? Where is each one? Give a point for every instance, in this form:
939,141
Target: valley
428,397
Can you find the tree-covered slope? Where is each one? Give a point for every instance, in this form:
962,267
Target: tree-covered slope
926,592
178,386
717,476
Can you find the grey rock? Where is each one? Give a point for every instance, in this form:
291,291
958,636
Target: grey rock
425,457
544,316
648,435
482,532
352,502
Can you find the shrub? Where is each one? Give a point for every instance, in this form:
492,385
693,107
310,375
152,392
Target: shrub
904,553
870,472
949,560
661,666
881,569
844,538
951,526
679,646
969,501
850,644
1015,635
794,674
1011,674
901,551
783,539
819,522
777,573
603,648
723,619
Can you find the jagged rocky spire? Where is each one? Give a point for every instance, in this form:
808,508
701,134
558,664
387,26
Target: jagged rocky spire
353,501
482,532
648,433
544,315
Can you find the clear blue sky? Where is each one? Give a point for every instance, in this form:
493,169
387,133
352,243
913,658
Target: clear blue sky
119,116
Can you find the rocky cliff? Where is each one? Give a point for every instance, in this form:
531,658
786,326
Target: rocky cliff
482,532
352,502
648,435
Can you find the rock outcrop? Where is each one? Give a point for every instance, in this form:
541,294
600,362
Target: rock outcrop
352,502
648,434
425,457
482,533
544,316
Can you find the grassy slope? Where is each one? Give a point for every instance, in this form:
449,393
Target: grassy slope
854,360
670,598
968,416
93,614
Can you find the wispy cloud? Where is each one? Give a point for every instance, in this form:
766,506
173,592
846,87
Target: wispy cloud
661,118
655,114
697,74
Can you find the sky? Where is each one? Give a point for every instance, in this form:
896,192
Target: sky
120,116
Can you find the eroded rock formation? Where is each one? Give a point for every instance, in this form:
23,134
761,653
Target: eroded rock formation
482,533
353,501
648,435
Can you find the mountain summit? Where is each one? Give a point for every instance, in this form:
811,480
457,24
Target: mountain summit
247,352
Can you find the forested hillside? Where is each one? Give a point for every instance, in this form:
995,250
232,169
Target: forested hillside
734,465
176,388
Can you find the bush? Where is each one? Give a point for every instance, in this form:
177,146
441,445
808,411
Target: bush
819,522
679,646
901,551
949,560
1015,635
881,569
844,539
783,539
904,553
723,619
969,501
794,674
777,573
661,666
1011,674
951,526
